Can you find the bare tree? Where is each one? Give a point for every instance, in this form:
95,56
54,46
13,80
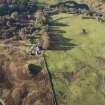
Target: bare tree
45,40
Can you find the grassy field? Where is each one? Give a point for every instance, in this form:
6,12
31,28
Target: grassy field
78,65
48,1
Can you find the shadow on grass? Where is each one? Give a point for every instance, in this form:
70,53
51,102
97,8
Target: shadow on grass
57,39
55,22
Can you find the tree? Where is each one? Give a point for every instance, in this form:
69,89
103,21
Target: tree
14,15
22,34
44,29
3,9
23,2
40,18
34,69
45,40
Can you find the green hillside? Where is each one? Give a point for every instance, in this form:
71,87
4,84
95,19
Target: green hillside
78,72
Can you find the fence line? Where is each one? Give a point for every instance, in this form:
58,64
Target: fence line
50,78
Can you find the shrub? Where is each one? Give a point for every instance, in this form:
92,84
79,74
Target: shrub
34,69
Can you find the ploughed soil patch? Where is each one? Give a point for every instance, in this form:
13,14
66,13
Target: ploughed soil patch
22,80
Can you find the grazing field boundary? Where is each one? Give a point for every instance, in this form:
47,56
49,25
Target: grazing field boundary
50,79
